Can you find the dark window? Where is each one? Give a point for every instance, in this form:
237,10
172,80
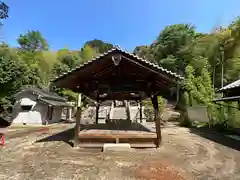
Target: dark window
26,108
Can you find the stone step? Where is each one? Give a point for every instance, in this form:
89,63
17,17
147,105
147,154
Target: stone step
116,147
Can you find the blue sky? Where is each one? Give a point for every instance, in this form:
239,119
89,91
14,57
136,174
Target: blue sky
127,23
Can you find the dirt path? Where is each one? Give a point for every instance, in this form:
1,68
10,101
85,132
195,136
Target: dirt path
201,157
193,156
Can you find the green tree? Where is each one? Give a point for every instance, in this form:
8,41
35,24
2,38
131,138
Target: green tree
32,41
87,53
3,14
200,90
66,60
175,43
145,52
99,46
169,63
3,10
32,47
69,58
46,64
13,75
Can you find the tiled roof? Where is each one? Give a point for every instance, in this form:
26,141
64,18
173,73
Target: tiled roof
54,102
128,53
234,84
43,93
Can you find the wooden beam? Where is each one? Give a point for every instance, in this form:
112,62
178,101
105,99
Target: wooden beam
157,120
119,98
161,82
78,119
125,84
105,71
150,69
114,85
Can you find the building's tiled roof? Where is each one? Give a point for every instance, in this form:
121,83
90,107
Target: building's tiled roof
129,54
54,102
45,96
43,93
234,84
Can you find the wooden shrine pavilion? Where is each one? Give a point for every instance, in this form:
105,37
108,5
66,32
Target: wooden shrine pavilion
119,75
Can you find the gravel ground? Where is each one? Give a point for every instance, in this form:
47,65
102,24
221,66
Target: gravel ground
45,153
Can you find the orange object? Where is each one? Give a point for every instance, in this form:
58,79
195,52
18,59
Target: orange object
2,140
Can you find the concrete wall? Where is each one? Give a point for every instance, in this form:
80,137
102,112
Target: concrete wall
118,113
38,113
57,115
198,113
135,114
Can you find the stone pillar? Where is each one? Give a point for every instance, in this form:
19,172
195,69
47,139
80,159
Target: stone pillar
70,113
111,110
67,114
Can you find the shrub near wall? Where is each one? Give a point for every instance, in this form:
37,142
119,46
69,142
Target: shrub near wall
149,110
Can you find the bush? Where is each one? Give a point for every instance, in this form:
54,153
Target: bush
149,110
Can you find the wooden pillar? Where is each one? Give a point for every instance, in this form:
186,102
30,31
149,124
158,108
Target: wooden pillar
78,119
157,120
140,107
127,110
67,114
97,107
97,112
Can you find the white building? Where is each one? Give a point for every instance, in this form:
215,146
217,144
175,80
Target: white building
37,106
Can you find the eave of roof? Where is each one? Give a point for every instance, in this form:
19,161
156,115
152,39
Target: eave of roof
55,103
233,98
127,53
42,93
232,85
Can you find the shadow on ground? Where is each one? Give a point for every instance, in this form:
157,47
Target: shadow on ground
216,137
65,136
